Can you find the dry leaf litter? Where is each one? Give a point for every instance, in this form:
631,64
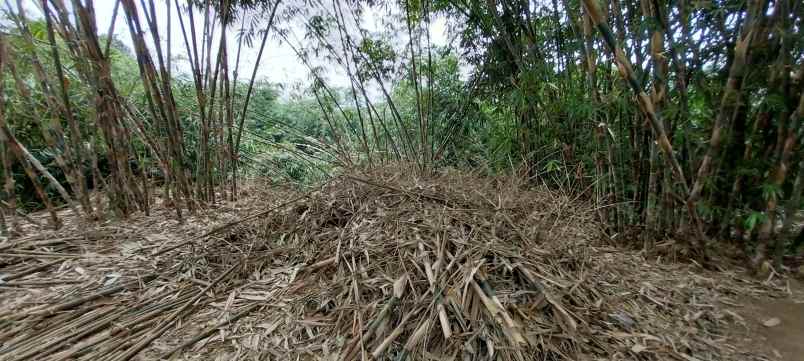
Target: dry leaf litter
379,265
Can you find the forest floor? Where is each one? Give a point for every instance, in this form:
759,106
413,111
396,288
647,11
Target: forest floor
447,267
783,341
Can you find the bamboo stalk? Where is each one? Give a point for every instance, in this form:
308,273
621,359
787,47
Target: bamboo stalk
165,324
253,77
380,349
646,105
55,339
728,104
210,330
790,209
10,199
81,300
75,175
777,178
31,270
9,141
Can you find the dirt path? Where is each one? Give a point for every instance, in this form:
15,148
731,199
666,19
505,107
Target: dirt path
783,341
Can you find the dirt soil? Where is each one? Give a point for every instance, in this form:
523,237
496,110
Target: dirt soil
784,341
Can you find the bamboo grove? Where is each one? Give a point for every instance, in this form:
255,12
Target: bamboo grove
678,119
129,135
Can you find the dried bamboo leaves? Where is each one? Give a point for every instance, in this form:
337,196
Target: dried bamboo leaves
387,265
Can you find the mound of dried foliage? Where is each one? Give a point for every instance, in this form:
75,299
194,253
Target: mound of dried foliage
406,267
391,265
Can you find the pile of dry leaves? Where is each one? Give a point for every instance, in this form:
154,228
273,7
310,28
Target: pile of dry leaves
378,265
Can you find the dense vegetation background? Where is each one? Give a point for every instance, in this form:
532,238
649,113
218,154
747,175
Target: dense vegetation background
676,118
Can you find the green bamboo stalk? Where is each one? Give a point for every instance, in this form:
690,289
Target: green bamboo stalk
777,178
643,100
9,142
729,103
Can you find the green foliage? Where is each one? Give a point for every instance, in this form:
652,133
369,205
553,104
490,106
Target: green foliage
530,100
771,191
553,165
381,56
754,219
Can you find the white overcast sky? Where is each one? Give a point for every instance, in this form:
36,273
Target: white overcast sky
279,63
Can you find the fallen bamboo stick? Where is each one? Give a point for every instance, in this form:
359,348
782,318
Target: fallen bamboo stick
113,348
146,316
40,283
33,333
160,329
209,331
55,308
393,336
493,305
373,326
31,270
37,242
50,344
446,329
429,271
26,255
414,340
22,214
242,220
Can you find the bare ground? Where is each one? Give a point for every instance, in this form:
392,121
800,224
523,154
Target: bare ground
759,330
